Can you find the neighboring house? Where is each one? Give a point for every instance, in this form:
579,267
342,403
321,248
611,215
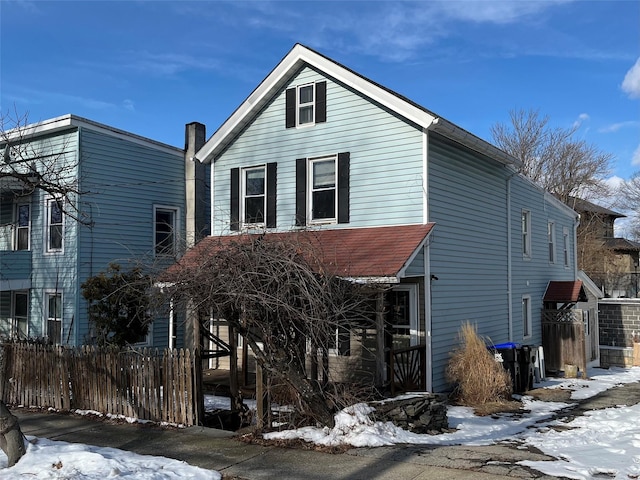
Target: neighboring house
318,147
131,207
610,261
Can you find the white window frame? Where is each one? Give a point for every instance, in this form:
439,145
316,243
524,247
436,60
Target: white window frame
311,190
14,317
176,222
18,227
551,239
565,246
48,225
300,105
244,196
526,233
527,325
47,314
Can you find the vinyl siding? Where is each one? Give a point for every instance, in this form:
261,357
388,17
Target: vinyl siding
468,202
386,158
123,181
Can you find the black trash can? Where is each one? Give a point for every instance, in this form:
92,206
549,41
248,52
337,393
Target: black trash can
527,361
509,352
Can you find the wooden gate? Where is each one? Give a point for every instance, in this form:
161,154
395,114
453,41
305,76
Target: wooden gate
563,339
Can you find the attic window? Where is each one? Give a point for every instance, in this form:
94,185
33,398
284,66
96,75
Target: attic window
306,104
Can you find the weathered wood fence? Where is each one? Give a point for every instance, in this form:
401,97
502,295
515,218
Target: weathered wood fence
147,384
563,339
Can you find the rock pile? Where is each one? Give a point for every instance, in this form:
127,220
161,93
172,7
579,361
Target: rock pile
418,413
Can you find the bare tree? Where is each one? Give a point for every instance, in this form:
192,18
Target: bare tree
629,200
280,298
29,163
552,157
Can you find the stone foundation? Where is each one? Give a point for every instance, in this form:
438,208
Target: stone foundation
616,356
418,413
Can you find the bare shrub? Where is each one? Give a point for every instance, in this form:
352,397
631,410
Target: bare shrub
478,378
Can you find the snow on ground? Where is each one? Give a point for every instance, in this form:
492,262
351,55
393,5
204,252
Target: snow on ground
48,459
604,442
600,443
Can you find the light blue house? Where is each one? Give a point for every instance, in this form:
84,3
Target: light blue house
317,146
128,205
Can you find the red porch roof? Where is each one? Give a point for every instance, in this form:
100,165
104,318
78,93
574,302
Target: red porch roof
359,253
568,291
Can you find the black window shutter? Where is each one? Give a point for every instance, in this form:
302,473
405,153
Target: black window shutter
301,192
235,199
321,102
290,108
343,187
271,194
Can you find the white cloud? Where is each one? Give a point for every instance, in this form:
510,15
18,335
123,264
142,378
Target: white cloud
128,105
635,159
614,127
631,83
583,117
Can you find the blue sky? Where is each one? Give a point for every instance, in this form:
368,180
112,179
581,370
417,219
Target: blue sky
149,67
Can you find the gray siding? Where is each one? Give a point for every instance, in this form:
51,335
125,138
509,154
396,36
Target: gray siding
468,202
123,181
386,158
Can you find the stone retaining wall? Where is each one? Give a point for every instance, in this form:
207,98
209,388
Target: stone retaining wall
419,413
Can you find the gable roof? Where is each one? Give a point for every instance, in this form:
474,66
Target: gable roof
69,121
581,205
570,291
377,254
296,59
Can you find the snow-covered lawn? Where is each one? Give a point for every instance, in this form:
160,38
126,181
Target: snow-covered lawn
604,442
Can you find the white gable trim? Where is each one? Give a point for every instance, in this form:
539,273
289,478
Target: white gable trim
69,121
300,56
295,59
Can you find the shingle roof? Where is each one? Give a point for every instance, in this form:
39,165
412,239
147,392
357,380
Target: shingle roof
567,291
581,205
359,253
622,244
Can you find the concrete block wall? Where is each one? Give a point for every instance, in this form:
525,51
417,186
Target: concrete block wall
619,327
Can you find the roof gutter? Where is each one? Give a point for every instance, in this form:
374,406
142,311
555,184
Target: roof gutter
449,130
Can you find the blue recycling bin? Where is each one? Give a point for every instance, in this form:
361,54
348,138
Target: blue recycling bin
509,352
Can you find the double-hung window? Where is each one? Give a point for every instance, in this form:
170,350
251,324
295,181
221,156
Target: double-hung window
20,315
254,195
565,246
54,225
526,233
53,305
165,224
23,226
551,238
322,189
306,104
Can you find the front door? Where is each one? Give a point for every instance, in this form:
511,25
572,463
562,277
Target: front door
401,305
406,355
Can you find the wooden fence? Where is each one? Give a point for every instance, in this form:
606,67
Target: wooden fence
563,339
161,386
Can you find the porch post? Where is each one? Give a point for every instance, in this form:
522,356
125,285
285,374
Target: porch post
381,370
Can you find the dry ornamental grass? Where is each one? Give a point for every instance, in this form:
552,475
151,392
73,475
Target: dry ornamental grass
479,379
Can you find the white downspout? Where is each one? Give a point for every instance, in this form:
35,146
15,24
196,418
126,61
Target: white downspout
212,199
427,263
